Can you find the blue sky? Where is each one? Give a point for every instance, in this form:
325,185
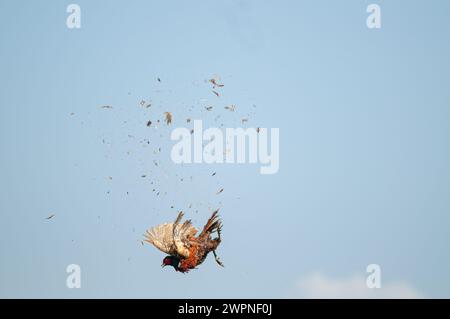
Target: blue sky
363,117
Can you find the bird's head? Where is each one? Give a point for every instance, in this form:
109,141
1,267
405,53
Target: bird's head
171,261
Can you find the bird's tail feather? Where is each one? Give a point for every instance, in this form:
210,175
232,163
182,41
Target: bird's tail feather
214,224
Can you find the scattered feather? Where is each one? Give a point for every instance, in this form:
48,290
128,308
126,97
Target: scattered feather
231,107
168,118
214,83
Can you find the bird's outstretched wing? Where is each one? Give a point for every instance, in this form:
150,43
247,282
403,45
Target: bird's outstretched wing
174,238
182,234
161,237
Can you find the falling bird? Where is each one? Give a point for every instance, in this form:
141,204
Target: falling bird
185,250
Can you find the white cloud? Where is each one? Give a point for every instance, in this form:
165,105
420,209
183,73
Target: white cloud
319,286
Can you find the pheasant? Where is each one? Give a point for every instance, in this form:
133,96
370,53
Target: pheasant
178,240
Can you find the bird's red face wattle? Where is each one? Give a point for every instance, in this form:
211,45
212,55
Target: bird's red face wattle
171,261
167,261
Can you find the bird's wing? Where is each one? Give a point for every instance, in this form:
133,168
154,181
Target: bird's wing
161,237
173,238
182,235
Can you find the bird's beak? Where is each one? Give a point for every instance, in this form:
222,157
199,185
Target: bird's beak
163,265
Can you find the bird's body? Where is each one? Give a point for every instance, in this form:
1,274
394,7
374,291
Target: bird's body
185,250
